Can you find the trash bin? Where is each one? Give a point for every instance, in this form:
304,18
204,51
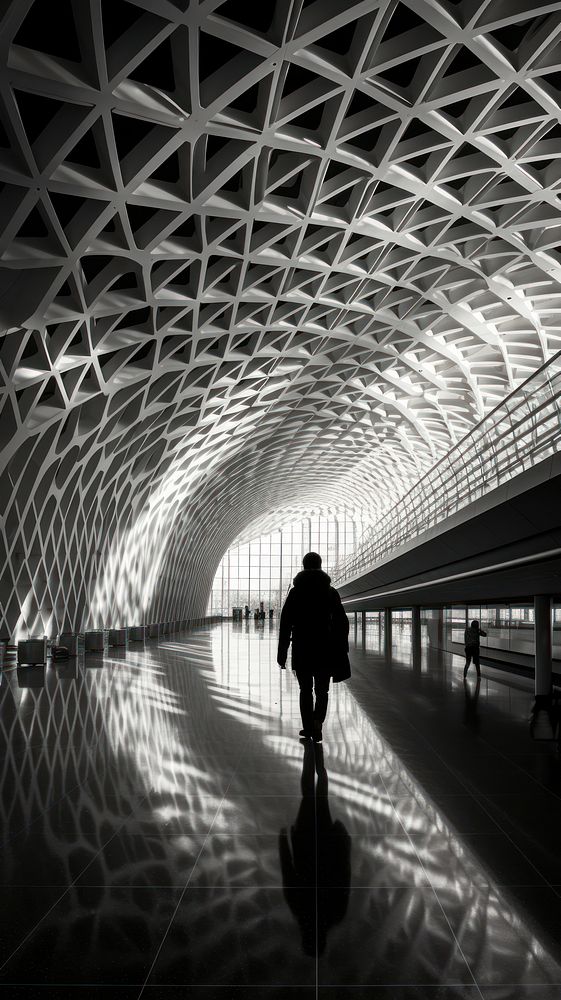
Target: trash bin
32,651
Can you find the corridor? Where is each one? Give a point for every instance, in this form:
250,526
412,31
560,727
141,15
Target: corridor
166,834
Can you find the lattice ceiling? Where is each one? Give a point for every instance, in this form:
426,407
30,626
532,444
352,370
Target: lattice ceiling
258,259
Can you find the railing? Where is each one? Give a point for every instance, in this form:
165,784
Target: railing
523,430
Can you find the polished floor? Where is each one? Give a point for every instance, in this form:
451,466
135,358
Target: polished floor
166,834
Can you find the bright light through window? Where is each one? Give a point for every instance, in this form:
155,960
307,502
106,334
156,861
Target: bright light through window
262,570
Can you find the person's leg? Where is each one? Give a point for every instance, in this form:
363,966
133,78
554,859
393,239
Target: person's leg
321,685
468,650
306,681
476,661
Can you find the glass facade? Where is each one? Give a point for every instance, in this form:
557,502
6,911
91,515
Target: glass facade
508,627
262,570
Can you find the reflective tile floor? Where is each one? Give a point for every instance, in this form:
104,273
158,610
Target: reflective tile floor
165,833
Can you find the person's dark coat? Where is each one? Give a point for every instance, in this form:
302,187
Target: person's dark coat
472,635
314,620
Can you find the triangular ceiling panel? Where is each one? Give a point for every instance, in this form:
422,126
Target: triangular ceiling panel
244,250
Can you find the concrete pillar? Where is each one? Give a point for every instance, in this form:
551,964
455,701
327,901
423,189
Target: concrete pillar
388,633
363,628
542,644
416,637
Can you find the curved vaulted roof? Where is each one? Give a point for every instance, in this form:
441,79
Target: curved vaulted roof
257,260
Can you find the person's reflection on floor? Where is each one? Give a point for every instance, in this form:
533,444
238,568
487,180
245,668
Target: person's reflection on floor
315,859
471,717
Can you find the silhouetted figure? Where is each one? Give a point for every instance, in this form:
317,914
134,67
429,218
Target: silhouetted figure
471,643
246,612
314,619
315,859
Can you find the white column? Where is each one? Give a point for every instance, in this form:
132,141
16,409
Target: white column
388,633
416,636
542,644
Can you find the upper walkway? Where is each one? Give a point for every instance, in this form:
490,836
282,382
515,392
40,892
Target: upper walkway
164,827
484,517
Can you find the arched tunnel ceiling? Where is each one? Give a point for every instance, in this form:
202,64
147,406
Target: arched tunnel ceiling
257,259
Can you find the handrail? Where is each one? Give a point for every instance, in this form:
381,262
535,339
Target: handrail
522,430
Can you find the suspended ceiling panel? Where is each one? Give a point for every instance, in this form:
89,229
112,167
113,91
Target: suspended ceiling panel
257,260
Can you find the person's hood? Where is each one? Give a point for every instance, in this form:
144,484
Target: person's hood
312,579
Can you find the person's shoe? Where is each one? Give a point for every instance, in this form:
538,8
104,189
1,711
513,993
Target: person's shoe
305,735
317,737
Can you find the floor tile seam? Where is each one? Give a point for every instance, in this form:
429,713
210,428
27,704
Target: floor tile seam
474,790
355,990
43,987
488,989
433,890
268,795
483,802
493,985
477,798
185,888
407,835
458,945
70,886
242,886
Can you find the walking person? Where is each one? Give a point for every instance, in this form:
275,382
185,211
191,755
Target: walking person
314,620
471,643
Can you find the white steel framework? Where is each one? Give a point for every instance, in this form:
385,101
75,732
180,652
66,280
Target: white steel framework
258,260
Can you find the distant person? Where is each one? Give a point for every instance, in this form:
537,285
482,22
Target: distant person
246,611
271,613
471,643
314,620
